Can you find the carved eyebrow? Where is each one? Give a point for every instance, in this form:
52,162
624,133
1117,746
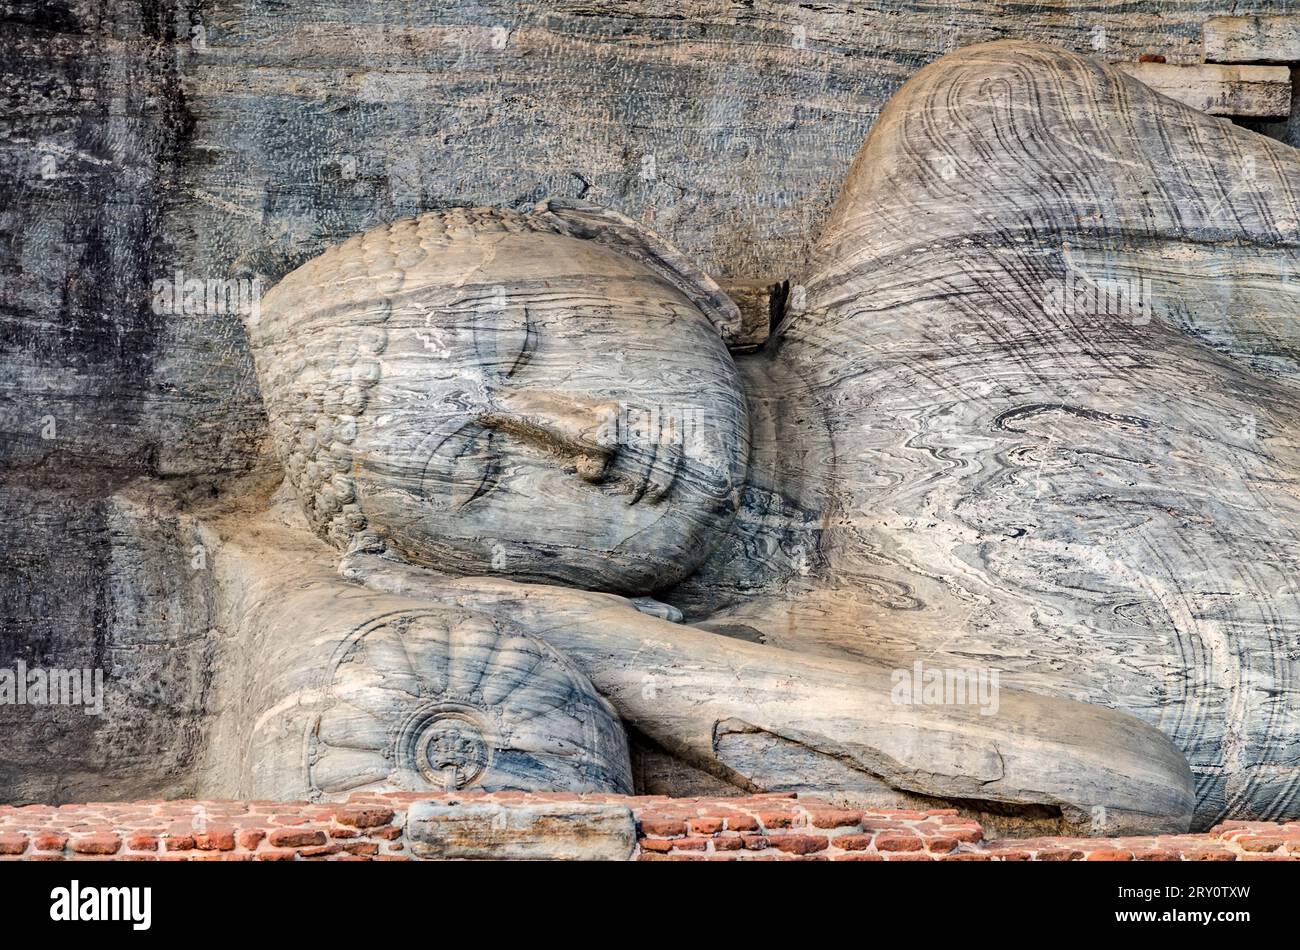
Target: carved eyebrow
489,351
525,355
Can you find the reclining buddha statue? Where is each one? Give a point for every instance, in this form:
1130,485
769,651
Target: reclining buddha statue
998,431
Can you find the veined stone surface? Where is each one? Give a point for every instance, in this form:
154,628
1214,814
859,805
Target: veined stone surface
238,138
202,137
1055,346
1220,90
1252,39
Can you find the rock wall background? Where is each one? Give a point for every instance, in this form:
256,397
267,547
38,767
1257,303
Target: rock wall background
225,138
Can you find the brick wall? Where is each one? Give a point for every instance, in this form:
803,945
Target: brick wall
760,827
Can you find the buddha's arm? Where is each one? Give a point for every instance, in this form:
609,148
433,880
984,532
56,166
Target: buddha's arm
747,712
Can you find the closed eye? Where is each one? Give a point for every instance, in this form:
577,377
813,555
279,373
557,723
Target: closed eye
464,465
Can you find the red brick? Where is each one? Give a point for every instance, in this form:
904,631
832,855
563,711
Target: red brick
799,844
276,855
216,839
663,827
49,841
165,832
1228,828
892,841
97,844
835,818
320,852
705,826
364,817
295,838
884,824
858,856
941,844
250,838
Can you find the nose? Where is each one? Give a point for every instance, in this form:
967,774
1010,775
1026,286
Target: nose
580,430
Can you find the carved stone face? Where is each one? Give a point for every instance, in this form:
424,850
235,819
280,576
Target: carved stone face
500,399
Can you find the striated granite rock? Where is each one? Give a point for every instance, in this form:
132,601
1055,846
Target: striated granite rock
899,417
1051,327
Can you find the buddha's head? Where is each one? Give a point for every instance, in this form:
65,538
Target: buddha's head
546,396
